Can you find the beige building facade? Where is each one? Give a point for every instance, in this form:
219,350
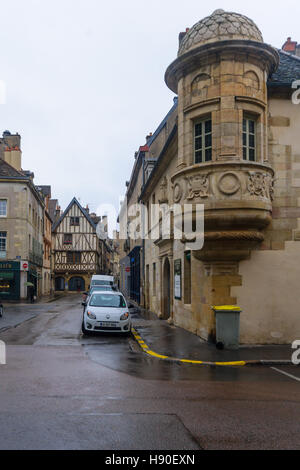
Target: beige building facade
45,192
234,149
132,249
21,225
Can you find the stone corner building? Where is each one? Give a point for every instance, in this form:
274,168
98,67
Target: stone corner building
22,210
235,148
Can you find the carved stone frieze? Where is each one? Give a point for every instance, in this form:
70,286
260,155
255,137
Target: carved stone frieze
261,185
198,186
229,183
177,192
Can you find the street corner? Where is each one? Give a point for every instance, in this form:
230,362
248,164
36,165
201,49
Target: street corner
147,350
143,344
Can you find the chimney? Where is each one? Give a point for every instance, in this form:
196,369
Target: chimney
57,213
10,148
290,46
16,158
149,136
182,35
87,209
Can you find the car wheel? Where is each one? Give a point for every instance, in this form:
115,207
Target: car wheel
128,333
85,332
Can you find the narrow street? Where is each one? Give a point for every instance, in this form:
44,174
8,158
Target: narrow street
60,390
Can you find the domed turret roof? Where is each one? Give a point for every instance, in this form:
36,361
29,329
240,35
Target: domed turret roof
220,26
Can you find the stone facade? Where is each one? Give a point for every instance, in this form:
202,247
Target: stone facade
132,249
248,179
23,226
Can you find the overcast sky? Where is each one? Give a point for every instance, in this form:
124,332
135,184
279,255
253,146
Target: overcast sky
85,81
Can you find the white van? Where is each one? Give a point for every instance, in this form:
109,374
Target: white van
99,280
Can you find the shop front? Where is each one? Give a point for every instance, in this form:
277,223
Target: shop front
9,280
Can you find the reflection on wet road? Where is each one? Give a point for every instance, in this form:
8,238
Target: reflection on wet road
59,325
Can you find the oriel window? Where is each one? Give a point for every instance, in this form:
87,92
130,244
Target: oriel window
249,139
203,141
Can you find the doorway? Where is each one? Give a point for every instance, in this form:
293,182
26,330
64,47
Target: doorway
166,290
76,284
59,284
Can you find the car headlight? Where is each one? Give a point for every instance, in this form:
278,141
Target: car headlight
125,316
91,315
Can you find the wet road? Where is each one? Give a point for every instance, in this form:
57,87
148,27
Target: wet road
60,390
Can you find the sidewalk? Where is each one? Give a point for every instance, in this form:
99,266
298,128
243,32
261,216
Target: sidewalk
159,339
16,313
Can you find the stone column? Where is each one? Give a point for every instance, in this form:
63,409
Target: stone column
170,256
161,290
181,125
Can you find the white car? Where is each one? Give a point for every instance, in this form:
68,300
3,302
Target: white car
106,312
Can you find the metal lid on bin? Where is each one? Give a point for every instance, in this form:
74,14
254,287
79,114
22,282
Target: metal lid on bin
227,308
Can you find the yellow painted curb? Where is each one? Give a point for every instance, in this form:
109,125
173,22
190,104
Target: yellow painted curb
147,350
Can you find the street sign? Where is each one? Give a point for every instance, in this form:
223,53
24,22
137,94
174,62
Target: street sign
24,266
127,270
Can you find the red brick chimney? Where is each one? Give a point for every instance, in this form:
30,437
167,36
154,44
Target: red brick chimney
290,46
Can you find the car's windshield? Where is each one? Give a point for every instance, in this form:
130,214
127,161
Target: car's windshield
106,300
103,288
102,283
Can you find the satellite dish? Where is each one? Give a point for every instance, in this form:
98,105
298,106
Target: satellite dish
100,231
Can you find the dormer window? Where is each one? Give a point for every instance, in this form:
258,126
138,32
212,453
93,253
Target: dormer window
149,165
203,141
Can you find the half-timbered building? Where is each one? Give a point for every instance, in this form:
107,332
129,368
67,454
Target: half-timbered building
77,250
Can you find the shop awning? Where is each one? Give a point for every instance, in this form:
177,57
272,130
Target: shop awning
6,275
